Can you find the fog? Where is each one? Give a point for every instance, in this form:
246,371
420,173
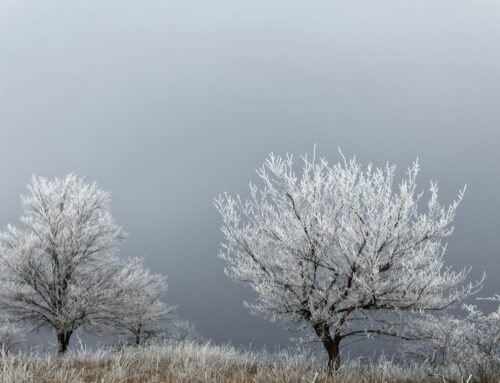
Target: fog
166,104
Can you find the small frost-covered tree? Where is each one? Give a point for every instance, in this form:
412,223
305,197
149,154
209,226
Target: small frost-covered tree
465,347
179,330
143,314
11,336
338,250
60,270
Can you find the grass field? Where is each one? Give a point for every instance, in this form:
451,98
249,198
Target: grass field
190,362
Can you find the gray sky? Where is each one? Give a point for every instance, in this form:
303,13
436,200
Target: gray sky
168,103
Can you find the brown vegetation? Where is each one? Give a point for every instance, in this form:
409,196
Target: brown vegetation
189,362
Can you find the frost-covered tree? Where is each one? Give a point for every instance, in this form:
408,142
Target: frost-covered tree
179,330
465,347
338,249
11,336
143,314
60,270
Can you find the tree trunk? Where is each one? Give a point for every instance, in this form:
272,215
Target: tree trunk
63,338
332,348
331,344
138,335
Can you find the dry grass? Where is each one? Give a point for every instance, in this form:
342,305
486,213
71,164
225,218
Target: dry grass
190,362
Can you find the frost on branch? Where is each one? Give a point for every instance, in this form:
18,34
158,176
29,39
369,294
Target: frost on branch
60,270
182,331
143,315
10,337
340,250
466,347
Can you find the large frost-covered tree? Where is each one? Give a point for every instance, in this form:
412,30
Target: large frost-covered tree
60,270
339,250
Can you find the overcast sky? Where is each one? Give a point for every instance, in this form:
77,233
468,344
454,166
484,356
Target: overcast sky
168,103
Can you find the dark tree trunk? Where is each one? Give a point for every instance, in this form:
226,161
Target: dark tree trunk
63,338
332,348
331,344
138,335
